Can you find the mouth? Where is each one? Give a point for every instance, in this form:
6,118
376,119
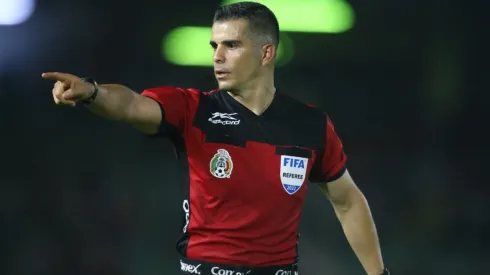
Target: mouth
221,73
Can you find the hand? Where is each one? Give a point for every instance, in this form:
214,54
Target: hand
69,89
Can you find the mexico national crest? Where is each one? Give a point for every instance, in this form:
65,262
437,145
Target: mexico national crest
221,164
293,173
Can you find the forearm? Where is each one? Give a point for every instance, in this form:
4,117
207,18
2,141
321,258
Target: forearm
113,101
360,231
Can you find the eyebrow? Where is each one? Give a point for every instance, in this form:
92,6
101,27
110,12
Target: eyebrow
213,43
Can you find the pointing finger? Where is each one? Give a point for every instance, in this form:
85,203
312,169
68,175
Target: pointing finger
52,76
57,76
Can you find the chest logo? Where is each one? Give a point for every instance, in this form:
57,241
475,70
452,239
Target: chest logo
293,173
221,164
224,118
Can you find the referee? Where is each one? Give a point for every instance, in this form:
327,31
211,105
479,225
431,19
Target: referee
251,152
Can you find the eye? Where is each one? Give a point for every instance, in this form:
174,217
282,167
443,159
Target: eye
232,45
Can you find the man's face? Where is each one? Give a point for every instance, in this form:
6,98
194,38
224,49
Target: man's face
237,60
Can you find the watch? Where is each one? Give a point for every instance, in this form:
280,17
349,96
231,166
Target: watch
91,99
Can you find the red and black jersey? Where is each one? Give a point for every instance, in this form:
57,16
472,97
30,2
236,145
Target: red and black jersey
248,172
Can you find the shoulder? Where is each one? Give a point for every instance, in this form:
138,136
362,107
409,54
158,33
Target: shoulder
178,93
297,108
171,89
176,89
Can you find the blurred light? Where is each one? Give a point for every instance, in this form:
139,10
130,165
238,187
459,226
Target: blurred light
320,16
189,46
14,12
285,50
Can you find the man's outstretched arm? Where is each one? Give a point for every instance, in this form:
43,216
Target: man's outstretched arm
113,101
353,212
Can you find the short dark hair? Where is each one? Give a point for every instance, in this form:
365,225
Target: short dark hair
261,19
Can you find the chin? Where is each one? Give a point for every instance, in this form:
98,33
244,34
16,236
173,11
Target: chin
225,85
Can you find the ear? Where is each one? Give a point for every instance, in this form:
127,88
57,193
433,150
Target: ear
268,54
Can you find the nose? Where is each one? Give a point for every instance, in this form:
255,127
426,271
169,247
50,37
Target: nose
219,55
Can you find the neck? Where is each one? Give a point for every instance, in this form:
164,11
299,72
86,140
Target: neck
256,98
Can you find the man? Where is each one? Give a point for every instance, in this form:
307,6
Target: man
251,151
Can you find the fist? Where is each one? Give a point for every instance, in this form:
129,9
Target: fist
69,89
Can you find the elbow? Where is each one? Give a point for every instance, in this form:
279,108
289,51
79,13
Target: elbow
354,198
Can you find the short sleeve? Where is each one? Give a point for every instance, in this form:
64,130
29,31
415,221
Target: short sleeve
332,161
178,106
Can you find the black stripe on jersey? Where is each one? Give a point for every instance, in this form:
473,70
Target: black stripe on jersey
224,138
294,151
183,242
339,174
287,122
